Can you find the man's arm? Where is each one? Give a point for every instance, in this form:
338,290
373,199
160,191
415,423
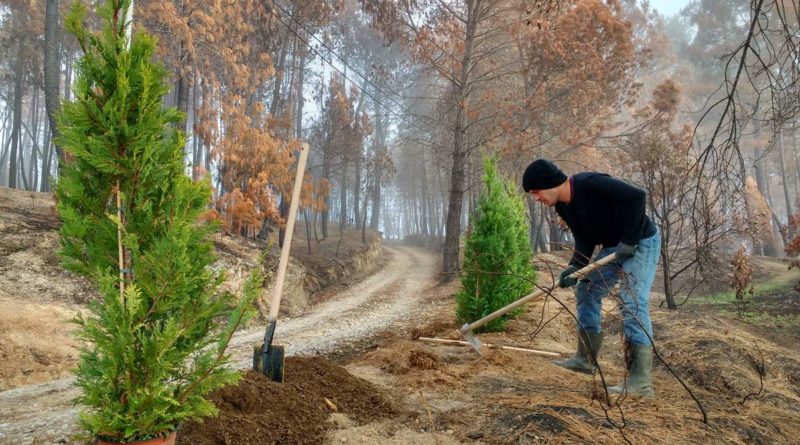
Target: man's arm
583,253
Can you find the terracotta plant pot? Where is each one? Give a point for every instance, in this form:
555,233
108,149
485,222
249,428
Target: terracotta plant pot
169,440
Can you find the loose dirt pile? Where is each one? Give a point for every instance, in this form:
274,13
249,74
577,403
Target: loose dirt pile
259,411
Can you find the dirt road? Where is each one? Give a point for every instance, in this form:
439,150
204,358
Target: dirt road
43,414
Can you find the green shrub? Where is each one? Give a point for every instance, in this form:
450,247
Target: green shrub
151,351
497,255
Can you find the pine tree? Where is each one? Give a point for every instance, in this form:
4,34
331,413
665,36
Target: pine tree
497,255
132,223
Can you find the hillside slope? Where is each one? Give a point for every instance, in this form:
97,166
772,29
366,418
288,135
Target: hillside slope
38,297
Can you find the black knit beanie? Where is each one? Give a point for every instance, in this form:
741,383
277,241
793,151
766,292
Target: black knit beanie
542,175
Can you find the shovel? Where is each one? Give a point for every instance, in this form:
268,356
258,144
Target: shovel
268,358
466,330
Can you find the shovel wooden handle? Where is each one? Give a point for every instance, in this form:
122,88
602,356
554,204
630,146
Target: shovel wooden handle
275,304
504,310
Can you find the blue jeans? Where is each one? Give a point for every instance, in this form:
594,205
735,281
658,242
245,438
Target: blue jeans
638,274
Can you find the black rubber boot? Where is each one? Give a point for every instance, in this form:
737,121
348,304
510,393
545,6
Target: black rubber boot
639,381
589,345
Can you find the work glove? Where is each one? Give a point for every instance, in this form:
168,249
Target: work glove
564,280
624,251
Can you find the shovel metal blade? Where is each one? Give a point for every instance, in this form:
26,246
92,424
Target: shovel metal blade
269,361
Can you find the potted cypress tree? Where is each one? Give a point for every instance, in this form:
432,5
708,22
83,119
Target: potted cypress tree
497,253
156,341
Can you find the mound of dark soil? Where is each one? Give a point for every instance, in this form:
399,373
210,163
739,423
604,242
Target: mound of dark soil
260,411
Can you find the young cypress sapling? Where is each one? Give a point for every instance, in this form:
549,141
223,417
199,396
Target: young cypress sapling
497,254
156,341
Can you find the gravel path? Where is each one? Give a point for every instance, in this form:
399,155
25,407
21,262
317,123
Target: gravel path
391,295
43,414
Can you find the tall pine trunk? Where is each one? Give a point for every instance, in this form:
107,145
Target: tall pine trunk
460,152
414,203
667,270
5,148
358,166
326,173
298,127
197,145
68,76
784,178
182,90
379,144
33,165
16,123
206,97
425,198
456,201
556,238
357,190
537,220
274,109
47,159
343,196
52,77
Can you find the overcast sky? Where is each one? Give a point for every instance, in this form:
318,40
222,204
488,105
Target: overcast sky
668,7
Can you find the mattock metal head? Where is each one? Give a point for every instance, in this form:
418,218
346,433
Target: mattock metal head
473,341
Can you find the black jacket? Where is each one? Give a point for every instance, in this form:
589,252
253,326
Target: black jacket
604,210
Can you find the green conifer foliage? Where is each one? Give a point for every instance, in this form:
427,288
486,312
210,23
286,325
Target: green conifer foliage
497,255
151,352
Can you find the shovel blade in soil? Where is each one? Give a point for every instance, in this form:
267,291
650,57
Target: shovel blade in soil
269,363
